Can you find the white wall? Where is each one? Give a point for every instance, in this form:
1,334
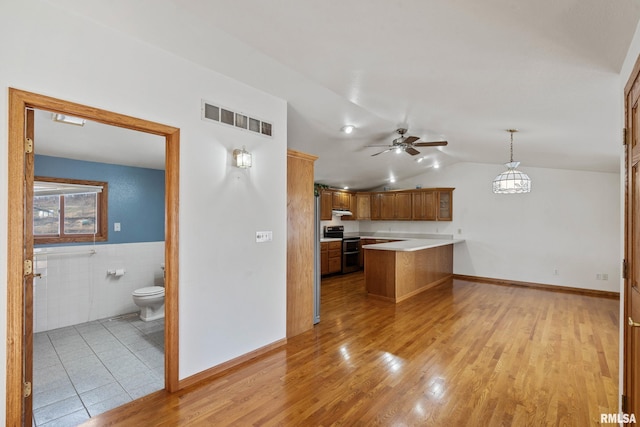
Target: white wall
74,286
569,222
232,290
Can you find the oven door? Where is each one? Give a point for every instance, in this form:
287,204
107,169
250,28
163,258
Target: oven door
350,255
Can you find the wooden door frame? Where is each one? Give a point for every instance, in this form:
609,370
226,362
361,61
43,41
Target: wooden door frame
19,101
626,363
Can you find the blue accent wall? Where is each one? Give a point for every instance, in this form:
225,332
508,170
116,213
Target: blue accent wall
136,195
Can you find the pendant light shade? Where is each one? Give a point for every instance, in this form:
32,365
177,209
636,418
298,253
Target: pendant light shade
512,181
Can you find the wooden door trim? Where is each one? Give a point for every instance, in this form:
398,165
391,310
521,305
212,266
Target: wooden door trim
628,157
18,101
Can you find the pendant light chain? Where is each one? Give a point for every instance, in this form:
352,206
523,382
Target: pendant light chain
511,158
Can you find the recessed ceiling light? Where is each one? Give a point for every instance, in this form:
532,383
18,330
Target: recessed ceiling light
62,118
346,187
392,179
348,129
436,165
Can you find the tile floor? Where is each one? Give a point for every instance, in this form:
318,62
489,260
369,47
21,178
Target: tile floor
84,370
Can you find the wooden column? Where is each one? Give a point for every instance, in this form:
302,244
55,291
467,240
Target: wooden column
300,241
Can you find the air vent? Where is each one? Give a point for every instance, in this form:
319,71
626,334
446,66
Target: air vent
216,113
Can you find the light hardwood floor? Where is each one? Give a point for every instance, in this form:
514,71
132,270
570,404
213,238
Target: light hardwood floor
459,354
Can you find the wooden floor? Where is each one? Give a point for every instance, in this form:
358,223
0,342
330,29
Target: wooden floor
459,354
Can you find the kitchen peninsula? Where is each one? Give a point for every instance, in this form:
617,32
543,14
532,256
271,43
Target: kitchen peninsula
397,270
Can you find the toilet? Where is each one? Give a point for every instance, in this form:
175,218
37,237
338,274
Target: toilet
151,302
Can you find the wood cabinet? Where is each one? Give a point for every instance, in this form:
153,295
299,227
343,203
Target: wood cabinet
445,204
352,206
341,200
402,206
424,205
363,206
326,204
390,206
337,199
334,260
324,258
429,204
300,232
330,257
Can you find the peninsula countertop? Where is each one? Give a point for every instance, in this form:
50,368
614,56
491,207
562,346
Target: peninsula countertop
410,245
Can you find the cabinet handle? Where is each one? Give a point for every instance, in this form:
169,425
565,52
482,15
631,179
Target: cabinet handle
632,323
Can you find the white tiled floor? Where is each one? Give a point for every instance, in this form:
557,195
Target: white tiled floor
84,370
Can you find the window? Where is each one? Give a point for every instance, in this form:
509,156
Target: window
69,210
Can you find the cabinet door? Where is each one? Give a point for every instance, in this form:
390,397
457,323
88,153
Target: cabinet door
326,200
376,211
340,200
352,206
324,258
445,205
424,205
363,203
387,206
402,206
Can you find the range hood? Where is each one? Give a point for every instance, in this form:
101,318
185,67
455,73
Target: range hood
341,212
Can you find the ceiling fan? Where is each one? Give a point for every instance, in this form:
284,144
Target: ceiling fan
407,144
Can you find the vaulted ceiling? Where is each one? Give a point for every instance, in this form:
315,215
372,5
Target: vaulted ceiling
460,70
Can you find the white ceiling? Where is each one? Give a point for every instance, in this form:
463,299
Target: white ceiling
460,70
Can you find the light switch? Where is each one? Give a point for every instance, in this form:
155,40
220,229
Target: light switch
116,226
264,236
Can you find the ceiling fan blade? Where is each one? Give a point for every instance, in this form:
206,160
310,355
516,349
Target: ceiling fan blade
411,150
431,144
410,139
388,149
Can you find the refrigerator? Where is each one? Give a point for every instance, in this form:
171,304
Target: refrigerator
316,261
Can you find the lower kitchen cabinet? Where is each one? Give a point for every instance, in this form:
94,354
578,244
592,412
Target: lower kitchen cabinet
335,257
330,257
324,258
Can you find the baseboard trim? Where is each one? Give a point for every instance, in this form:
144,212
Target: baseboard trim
553,288
224,367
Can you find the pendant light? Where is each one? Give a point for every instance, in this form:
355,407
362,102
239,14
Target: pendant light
512,181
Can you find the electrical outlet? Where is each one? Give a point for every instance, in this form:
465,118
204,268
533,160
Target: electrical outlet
598,276
605,276
264,236
556,272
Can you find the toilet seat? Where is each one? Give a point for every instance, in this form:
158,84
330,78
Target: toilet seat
148,291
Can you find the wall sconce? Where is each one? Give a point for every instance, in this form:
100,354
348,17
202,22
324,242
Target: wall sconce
242,158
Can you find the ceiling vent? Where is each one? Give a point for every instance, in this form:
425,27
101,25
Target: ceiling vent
225,116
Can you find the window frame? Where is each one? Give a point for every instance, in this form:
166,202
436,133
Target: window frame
102,226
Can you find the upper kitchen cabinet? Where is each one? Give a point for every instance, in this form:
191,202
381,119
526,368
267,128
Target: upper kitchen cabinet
326,204
363,206
402,206
341,200
445,204
428,204
391,206
333,199
352,206
424,205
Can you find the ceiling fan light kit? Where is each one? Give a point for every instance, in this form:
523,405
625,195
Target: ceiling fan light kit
512,181
407,144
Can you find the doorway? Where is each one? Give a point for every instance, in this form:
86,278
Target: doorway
20,245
